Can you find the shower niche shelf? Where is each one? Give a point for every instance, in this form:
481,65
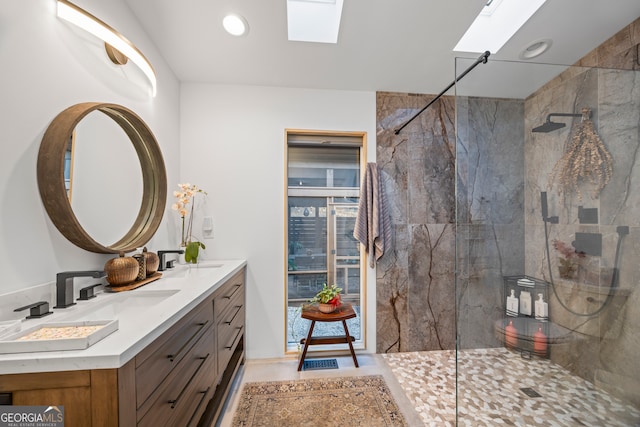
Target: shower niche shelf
519,328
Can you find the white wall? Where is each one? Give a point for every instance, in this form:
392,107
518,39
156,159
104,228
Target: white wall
47,66
232,145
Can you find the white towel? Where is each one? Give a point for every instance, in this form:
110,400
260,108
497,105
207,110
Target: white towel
373,226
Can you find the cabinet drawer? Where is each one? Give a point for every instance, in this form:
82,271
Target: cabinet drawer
229,294
164,354
234,315
228,335
178,399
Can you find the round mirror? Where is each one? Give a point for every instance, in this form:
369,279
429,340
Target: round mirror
93,201
97,145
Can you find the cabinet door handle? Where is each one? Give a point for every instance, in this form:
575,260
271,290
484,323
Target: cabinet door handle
174,402
238,307
173,357
237,287
229,347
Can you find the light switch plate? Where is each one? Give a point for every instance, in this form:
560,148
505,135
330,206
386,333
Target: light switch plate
207,227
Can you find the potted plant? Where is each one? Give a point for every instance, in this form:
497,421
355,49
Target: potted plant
568,260
185,196
328,298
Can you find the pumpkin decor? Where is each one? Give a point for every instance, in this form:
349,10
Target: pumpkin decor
122,270
152,261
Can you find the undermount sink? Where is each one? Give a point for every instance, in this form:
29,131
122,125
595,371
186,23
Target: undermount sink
123,304
83,324
191,270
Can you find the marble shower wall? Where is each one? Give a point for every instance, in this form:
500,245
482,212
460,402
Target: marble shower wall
416,294
415,281
605,347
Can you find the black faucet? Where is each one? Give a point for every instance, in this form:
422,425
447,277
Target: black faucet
64,285
169,264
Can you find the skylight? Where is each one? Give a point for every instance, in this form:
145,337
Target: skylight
314,20
497,22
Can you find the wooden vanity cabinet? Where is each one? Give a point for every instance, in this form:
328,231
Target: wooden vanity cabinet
86,395
181,379
229,319
229,312
176,370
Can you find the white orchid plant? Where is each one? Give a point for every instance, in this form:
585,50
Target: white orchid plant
185,197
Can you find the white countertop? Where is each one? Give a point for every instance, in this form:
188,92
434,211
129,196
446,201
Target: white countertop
143,314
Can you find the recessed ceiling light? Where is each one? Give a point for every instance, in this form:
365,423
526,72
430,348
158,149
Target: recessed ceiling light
496,23
536,48
235,25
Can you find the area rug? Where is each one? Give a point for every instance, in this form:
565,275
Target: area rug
326,402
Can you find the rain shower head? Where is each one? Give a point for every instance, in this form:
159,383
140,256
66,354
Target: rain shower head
550,126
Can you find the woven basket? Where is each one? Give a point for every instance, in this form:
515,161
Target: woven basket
327,308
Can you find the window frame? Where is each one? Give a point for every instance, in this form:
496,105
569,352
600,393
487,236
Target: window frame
316,137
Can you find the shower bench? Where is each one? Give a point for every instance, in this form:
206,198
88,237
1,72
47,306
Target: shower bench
341,314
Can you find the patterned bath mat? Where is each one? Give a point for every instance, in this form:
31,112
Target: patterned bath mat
326,402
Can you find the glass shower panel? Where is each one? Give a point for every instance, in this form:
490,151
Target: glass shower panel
546,242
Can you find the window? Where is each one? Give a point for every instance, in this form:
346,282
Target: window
323,187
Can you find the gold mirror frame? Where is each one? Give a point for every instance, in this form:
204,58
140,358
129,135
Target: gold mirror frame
50,171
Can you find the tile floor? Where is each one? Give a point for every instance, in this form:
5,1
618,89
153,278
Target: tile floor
489,387
424,385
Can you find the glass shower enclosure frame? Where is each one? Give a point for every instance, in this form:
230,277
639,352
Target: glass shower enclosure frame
547,242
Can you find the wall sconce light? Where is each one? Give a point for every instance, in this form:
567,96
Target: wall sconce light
118,48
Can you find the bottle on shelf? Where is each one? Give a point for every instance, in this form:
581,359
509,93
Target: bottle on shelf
511,335
525,303
512,304
542,308
540,342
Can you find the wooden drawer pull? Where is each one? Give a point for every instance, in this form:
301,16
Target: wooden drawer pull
173,357
238,308
236,288
174,402
239,328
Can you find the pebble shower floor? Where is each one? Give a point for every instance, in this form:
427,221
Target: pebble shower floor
491,391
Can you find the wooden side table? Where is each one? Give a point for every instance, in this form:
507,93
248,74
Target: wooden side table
342,313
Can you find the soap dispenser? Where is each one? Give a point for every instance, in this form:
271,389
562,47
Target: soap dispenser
525,303
512,304
542,309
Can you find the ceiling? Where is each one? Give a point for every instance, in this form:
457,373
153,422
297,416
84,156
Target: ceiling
383,45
